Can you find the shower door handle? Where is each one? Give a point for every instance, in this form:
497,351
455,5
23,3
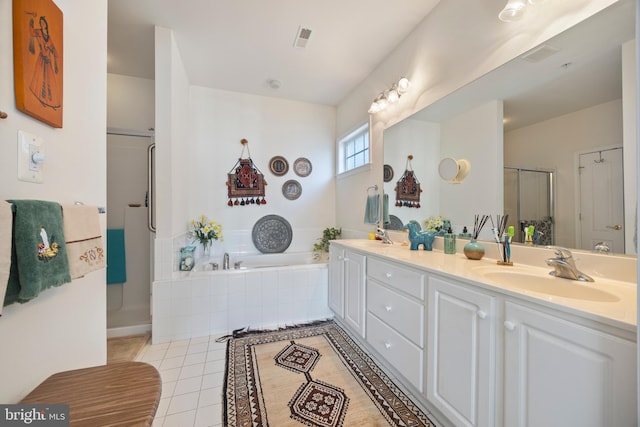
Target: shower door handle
150,196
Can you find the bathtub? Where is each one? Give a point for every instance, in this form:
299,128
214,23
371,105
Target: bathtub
254,261
266,291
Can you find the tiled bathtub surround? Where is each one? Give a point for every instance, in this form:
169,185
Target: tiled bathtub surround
220,301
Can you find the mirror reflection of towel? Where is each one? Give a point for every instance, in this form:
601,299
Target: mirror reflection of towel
372,209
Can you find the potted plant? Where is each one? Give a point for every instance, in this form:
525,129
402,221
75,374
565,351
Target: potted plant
321,249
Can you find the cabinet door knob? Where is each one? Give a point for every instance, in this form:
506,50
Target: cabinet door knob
387,345
387,307
345,259
388,275
340,258
510,326
482,314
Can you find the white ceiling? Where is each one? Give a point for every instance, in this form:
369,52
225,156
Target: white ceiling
239,45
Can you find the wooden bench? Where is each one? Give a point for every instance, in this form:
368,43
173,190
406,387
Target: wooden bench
118,394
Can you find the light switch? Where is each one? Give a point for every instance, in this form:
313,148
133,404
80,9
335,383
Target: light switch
30,157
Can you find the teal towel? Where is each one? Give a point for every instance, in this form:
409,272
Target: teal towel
372,209
116,257
38,250
385,209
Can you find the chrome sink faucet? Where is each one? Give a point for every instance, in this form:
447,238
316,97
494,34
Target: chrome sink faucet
565,266
225,261
383,235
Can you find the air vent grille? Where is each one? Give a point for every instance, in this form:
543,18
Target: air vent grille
302,37
540,53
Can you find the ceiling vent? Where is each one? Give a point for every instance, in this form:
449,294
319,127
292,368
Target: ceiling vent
540,53
302,37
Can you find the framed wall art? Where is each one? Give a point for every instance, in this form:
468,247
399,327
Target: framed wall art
38,59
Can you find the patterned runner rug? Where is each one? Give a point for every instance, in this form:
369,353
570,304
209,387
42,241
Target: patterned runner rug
312,375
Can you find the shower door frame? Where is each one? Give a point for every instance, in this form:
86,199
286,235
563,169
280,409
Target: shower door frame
551,192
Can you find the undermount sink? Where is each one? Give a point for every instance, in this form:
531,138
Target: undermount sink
546,284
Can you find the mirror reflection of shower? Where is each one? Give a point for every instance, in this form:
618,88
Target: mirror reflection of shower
529,201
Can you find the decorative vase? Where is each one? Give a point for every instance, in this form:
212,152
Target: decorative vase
187,260
473,250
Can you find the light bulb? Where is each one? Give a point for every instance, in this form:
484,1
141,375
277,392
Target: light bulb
403,85
536,1
513,11
382,102
373,108
393,95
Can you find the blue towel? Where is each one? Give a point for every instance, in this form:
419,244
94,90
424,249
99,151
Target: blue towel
116,257
372,209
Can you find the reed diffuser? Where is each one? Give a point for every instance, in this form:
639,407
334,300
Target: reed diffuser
474,249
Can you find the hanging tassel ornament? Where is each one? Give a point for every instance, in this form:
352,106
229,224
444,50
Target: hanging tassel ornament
246,183
408,188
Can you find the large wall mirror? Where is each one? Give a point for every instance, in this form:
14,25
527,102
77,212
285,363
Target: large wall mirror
550,137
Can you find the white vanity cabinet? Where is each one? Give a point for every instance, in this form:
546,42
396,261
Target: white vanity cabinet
347,271
395,317
461,352
559,373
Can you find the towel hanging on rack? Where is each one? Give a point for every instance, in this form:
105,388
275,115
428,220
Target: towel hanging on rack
6,221
85,247
372,208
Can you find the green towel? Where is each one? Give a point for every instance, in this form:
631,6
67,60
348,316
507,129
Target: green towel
38,250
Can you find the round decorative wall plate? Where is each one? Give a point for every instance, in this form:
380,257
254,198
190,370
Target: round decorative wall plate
291,189
278,165
272,234
302,167
388,173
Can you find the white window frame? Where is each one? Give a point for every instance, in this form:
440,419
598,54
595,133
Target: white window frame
363,129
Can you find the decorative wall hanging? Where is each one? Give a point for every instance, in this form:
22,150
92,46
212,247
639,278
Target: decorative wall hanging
291,189
37,59
278,165
408,188
302,167
388,173
246,183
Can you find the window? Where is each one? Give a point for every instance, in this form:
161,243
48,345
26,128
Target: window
354,149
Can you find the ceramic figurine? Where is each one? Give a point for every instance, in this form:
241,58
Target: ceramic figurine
417,237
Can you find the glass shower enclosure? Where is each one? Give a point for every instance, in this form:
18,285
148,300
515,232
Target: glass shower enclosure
529,200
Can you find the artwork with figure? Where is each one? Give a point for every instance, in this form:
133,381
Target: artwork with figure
38,59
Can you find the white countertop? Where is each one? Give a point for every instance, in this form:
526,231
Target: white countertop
620,310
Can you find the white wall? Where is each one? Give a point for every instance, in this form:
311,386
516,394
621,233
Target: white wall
273,127
552,144
476,136
437,59
63,328
130,104
422,141
198,133
630,143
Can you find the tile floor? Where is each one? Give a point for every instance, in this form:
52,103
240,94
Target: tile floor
192,374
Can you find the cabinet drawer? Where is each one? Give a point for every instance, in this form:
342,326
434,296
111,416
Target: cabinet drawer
401,353
396,276
398,311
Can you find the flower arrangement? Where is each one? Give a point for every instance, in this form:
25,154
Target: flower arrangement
328,234
439,224
205,231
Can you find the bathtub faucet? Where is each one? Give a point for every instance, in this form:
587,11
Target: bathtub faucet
225,261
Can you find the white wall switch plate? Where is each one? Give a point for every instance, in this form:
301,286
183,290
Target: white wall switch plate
30,157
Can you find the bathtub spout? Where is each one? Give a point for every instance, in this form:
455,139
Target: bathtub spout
225,261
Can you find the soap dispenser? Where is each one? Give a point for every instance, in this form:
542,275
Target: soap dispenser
449,242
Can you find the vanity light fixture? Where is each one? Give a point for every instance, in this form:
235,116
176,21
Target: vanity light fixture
514,10
389,96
